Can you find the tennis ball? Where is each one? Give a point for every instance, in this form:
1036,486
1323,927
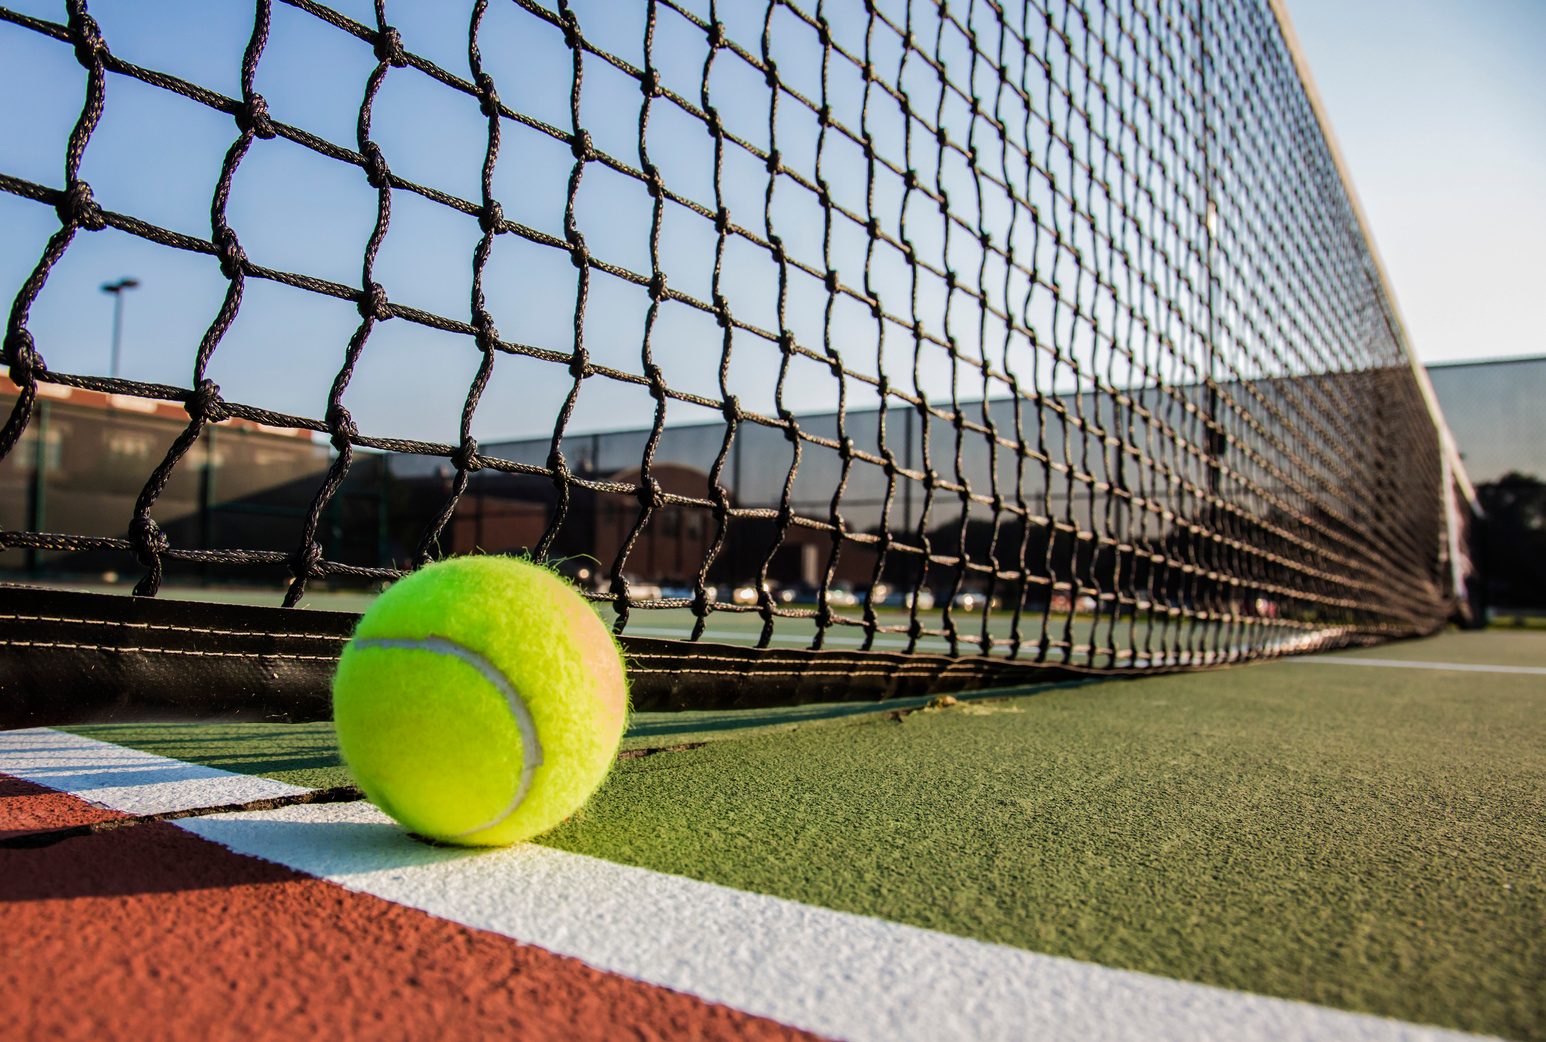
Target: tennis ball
480,701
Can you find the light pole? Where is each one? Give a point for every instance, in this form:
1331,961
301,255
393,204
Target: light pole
116,289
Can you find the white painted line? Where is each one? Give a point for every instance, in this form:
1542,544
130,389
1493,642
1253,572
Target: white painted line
125,779
837,974
1464,667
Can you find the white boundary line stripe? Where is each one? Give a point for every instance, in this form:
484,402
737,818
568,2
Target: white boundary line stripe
126,779
1535,671
840,975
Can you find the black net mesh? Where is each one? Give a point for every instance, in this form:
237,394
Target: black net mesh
1046,331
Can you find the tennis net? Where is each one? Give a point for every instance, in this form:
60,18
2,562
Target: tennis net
943,341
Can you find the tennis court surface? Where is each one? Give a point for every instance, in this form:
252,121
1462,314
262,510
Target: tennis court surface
1162,857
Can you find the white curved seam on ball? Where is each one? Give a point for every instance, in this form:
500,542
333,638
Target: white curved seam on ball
531,746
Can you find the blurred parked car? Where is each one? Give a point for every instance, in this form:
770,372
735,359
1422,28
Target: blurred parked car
748,594
904,599
970,600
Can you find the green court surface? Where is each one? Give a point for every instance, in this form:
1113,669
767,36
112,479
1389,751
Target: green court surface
1363,837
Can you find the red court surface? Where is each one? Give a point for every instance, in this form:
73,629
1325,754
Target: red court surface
150,932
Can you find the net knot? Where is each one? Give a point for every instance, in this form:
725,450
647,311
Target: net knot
824,32
658,286
389,47
649,83
711,118
944,202
831,280
341,427
491,217
910,179
774,165
559,468
148,539
488,97
487,334
786,343
233,259
657,378
653,182
86,35
206,404
791,427
305,559
21,353
776,247
373,303
722,311
873,227
376,170
79,208
722,220
650,494
580,146
466,455
579,256
770,74
730,409
716,34
252,117
579,364
875,309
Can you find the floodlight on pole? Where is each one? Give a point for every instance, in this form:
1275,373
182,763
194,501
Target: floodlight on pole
116,289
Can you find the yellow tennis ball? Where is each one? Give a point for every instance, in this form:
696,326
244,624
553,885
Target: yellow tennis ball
480,701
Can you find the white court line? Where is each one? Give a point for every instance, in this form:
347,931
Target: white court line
126,779
837,974
1535,671
833,973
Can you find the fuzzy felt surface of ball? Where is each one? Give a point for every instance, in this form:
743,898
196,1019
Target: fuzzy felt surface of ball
481,701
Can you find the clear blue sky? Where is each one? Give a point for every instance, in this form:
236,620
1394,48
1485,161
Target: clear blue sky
1440,109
